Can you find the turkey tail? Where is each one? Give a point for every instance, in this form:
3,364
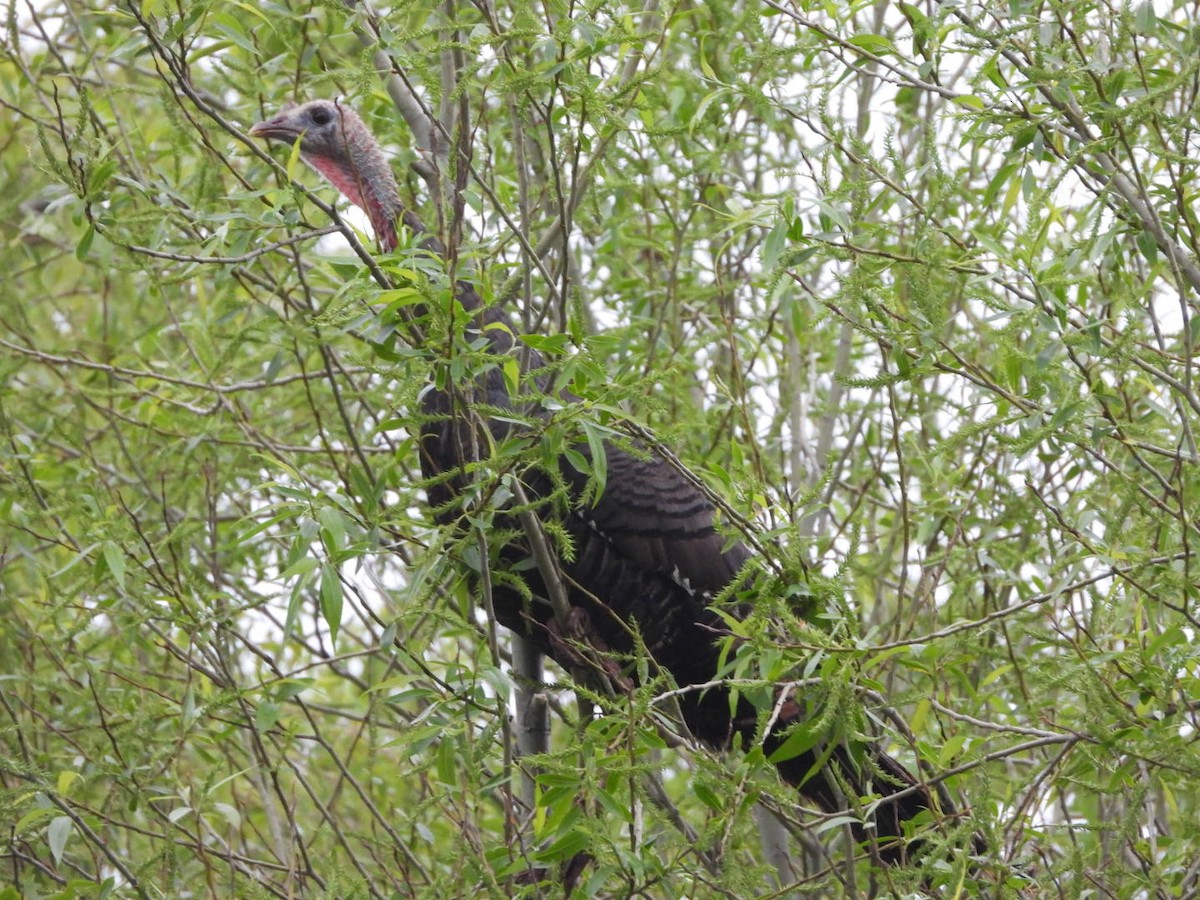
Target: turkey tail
835,779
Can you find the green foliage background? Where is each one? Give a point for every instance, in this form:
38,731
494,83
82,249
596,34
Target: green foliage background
913,287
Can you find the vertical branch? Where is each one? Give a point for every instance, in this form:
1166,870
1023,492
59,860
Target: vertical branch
532,713
634,61
816,522
798,411
426,130
773,838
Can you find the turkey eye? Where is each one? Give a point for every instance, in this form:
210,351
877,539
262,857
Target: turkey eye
321,116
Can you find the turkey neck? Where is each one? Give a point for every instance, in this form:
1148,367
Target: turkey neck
363,174
385,209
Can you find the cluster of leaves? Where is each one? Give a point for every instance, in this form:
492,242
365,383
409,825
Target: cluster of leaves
913,289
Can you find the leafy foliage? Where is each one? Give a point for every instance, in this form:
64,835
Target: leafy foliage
914,289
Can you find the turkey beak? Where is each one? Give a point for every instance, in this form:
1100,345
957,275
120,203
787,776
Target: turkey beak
279,128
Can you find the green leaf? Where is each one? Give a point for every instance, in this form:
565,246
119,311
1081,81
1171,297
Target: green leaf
800,740
178,813
230,814
998,180
599,456
774,245
1144,19
578,461
85,243
550,344
274,367
705,795
1148,245
915,16
99,177
292,687
35,815
293,161
333,527
57,835
565,847
920,713
705,68
875,44
702,107
951,749
991,70
447,762
331,600
266,715
303,565
398,298
835,822
114,559
512,375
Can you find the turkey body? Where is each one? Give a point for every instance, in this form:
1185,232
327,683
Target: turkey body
646,559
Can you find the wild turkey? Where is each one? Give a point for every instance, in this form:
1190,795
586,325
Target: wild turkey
647,557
